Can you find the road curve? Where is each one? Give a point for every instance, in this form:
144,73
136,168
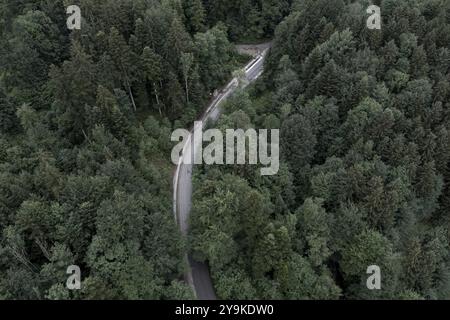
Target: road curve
197,275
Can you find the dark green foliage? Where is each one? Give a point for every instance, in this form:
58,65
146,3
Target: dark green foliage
248,19
85,124
364,179
364,119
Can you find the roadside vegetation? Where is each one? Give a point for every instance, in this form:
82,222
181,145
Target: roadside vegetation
86,179
365,150
85,124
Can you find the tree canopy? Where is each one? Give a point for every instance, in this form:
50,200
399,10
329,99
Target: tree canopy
364,174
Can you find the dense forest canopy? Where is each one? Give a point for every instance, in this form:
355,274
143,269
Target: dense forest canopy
364,179
85,123
85,173
247,19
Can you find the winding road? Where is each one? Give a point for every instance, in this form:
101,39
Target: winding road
198,274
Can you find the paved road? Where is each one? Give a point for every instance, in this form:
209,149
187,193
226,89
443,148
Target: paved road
253,49
198,275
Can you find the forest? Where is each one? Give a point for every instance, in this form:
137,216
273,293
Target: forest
85,124
85,172
365,150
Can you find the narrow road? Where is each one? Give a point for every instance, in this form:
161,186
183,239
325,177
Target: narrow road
198,276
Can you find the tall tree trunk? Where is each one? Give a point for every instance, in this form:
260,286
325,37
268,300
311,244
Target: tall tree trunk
131,96
157,98
187,89
129,87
